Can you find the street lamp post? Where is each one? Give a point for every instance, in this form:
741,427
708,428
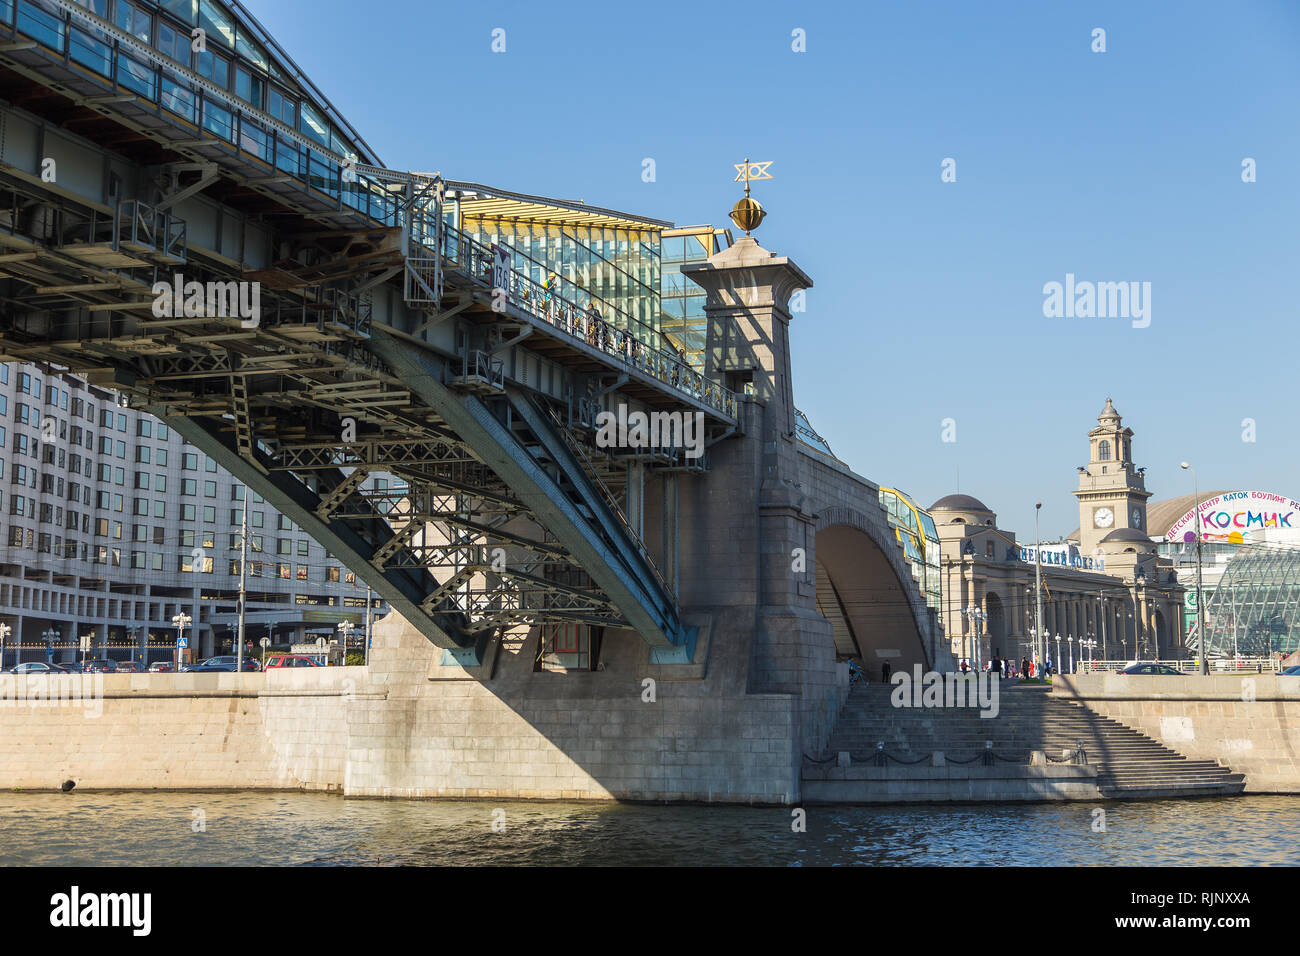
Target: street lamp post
51,635
243,586
181,621
1200,587
977,617
368,623
1038,582
5,631
133,635
345,629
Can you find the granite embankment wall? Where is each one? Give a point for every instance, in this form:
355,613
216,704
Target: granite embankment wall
1248,722
408,726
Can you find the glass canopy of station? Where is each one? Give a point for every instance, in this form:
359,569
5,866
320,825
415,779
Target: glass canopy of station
1255,610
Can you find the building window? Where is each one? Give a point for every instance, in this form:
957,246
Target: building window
1103,451
564,647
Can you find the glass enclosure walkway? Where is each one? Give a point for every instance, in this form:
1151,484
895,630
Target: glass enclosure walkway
244,104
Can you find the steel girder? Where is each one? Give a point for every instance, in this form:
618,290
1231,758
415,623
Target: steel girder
352,540
527,452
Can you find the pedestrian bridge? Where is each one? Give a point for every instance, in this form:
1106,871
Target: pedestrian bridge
311,320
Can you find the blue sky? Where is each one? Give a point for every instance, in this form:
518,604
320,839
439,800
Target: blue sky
928,301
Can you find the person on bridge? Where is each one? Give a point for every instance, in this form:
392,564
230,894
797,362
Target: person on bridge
1024,668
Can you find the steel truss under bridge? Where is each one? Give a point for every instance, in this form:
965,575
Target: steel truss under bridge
504,512
501,517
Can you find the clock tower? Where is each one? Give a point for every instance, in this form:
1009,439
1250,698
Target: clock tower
1112,492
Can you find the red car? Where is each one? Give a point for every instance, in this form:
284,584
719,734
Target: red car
289,660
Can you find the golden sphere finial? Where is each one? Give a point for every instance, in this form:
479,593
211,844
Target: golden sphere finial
748,214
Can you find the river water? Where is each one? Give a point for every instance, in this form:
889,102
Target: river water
258,828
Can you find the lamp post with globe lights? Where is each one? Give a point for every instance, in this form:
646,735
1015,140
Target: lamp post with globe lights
1200,586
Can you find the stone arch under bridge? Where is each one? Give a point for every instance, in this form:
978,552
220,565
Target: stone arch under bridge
866,590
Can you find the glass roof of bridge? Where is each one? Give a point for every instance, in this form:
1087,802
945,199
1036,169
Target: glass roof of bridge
486,202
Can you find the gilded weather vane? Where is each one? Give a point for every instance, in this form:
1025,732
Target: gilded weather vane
748,213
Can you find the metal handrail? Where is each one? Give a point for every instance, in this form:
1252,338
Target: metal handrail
569,315
1191,666
581,452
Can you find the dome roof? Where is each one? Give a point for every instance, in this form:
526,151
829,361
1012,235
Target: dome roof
1126,534
959,503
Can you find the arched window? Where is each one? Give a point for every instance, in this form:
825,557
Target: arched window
1103,451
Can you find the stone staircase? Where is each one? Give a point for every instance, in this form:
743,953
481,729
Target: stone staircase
1129,764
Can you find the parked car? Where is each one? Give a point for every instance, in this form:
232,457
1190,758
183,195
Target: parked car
100,665
1150,668
250,664
209,666
36,667
128,667
73,667
289,660
1292,671
162,667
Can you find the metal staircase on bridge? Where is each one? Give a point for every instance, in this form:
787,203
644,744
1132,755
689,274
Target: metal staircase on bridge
1129,764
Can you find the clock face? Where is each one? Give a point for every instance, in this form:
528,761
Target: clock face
1103,517
1137,517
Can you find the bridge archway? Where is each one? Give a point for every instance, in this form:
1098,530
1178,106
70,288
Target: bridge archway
865,590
